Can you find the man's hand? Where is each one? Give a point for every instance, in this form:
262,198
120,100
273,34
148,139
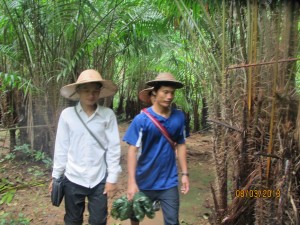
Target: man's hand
50,186
131,190
185,184
132,187
110,189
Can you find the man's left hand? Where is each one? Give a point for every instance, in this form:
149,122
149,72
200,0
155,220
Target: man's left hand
185,185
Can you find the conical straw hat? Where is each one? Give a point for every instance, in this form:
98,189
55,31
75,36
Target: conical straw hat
145,95
87,76
165,77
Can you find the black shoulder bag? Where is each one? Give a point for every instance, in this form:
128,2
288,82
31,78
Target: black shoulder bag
57,193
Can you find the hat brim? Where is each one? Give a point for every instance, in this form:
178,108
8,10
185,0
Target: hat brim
108,89
145,95
175,84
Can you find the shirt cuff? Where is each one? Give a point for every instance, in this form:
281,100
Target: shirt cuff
112,178
56,175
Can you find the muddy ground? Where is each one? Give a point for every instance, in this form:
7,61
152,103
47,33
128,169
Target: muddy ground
31,205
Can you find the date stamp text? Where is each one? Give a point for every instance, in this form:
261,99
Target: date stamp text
264,193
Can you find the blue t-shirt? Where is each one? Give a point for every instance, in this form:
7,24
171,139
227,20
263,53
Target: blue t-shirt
156,165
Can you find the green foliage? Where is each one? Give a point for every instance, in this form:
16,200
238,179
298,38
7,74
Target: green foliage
69,65
9,156
8,188
7,197
20,220
36,155
10,81
36,171
7,191
25,148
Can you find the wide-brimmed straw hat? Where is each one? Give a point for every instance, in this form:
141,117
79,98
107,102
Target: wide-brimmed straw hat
167,78
145,95
88,76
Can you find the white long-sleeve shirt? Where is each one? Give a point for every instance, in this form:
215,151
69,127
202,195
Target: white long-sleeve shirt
78,155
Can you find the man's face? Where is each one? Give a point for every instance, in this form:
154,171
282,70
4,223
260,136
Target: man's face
89,93
164,96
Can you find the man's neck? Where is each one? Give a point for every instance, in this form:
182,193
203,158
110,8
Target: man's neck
160,110
89,110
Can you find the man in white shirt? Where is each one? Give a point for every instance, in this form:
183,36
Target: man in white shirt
90,167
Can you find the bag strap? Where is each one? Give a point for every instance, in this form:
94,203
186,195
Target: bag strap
91,133
160,127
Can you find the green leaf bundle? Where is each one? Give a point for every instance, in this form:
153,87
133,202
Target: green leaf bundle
139,207
121,208
142,206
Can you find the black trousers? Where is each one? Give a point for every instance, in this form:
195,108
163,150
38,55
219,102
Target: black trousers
75,196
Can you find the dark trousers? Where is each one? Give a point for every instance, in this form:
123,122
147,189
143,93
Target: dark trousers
75,196
169,202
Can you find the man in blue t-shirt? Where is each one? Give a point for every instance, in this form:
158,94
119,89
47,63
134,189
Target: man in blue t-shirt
151,158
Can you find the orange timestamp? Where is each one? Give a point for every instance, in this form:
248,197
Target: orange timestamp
255,193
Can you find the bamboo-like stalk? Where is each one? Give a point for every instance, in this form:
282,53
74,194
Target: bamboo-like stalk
30,122
249,74
252,43
272,118
241,31
254,47
223,75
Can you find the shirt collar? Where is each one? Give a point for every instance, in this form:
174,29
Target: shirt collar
79,108
98,109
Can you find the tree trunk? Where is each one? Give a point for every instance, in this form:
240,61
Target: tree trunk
120,109
196,116
204,114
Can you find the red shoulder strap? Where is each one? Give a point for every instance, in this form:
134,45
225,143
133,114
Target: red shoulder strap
160,127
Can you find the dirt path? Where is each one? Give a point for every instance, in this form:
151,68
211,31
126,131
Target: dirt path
33,204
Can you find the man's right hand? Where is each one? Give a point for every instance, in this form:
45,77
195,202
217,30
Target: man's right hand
50,186
132,187
131,190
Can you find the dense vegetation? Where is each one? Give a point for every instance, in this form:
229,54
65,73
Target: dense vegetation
239,61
